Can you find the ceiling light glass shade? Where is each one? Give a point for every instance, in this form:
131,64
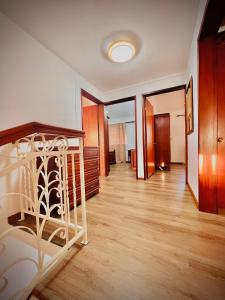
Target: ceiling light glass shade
121,52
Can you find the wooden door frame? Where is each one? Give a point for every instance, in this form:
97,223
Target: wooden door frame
144,137
158,92
117,101
99,103
122,100
91,98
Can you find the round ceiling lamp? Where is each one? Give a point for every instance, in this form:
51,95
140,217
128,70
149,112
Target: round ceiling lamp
121,51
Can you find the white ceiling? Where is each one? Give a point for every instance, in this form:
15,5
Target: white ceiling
121,112
76,31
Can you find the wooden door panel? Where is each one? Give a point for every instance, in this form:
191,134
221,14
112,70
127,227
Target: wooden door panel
149,137
207,126
103,141
221,122
90,125
162,140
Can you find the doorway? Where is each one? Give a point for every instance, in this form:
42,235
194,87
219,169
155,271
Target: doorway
164,137
95,125
162,141
122,133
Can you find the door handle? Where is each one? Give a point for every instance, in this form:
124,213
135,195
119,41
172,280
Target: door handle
220,139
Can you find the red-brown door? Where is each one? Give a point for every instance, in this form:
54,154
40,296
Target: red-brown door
149,137
103,141
90,125
162,140
221,122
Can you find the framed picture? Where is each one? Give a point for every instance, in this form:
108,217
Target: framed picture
189,108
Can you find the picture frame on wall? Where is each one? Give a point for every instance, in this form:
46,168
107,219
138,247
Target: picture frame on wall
189,108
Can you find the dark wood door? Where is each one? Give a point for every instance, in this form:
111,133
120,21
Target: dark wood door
162,140
221,122
149,137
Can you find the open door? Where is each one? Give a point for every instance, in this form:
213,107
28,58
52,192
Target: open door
90,125
95,125
149,139
103,141
162,140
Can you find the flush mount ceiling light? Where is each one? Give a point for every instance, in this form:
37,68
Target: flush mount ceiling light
121,51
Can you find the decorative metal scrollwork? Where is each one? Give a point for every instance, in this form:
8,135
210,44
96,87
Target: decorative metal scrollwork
44,195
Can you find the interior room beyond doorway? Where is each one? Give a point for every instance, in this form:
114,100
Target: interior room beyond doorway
122,134
164,131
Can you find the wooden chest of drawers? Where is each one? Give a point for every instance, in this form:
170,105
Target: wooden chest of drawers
91,173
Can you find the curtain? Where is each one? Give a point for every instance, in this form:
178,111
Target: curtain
117,141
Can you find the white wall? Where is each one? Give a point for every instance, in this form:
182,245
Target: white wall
173,103
121,112
192,70
35,85
138,90
130,133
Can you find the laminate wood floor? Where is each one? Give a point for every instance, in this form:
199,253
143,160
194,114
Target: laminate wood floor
147,241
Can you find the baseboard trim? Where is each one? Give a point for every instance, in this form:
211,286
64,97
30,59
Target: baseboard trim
193,196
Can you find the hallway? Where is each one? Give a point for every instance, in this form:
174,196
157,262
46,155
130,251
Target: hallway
147,241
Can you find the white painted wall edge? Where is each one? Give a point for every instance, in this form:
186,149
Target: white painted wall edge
29,56
192,70
146,86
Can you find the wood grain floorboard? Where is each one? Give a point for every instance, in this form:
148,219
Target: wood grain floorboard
147,241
